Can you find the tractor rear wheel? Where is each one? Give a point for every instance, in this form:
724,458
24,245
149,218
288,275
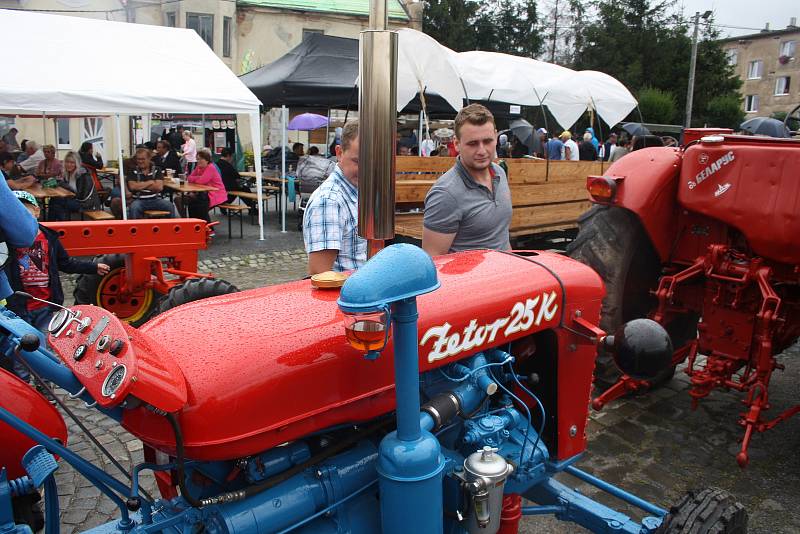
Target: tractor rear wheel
711,511
192,290
611,241
104,291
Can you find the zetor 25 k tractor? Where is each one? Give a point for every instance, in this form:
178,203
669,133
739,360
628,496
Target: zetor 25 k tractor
705,240
295,409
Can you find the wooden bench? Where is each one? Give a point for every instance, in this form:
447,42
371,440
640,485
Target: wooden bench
234,209
157,214
267,190
97,215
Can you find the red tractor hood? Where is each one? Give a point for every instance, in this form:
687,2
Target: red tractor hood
270,365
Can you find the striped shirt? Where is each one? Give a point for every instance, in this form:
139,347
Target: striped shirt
331,222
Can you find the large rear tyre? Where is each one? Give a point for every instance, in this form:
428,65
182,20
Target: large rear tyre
104,291
611,241
192,290
711,511
28,511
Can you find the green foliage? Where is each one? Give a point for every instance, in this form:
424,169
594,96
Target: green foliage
491,25
641,44
724,111
657,106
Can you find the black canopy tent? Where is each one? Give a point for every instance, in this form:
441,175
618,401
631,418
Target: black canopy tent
321,72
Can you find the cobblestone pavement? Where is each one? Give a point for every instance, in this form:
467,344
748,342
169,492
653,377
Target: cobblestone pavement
654,445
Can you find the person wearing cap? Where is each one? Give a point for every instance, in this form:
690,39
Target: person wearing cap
555,149
34,268
469,206
570,146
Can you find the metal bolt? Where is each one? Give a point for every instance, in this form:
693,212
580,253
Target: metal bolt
572,347
70,333
98,364
573,431
578,313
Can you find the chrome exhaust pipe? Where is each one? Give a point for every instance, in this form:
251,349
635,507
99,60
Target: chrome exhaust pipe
377,114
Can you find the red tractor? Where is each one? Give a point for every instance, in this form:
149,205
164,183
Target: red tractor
705,240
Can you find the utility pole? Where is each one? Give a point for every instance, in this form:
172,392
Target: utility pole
555,33
692,64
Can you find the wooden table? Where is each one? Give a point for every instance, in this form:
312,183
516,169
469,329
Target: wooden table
185,188
43,194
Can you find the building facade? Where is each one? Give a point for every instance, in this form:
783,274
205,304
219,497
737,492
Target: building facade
244,34
769,67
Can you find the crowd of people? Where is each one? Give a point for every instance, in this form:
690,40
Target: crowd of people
26,165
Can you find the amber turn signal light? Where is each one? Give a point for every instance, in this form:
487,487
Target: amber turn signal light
601,188
367,332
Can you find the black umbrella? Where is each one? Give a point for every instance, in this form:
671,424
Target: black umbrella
765,126
525,132
635,128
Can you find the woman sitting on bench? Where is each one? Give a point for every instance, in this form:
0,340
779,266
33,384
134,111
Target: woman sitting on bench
77,179
206,173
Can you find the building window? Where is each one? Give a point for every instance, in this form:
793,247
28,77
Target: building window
62,130
226,36
203,25
733,55
788,48
751,103
754,69
782,85
307,32
170,19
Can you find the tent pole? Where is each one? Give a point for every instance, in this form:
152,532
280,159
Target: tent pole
122,185
419,137
327,134
44,128
283,168
203,129
255,132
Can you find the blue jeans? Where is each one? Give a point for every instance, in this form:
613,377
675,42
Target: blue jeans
139,206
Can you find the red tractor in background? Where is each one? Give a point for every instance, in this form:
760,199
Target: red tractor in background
705,240
153,264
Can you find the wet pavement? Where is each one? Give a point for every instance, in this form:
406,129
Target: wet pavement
655,445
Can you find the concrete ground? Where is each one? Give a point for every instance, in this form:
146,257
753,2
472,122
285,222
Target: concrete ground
655,445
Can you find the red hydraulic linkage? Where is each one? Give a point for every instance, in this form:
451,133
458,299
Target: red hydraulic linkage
746,367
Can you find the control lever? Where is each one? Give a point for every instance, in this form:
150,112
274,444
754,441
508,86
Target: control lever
23,294
62,317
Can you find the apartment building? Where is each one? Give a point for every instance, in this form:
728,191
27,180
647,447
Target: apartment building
769,66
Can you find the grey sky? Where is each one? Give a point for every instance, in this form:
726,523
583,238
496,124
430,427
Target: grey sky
744,13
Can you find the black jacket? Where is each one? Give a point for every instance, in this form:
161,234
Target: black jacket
95,162
59,261
169,161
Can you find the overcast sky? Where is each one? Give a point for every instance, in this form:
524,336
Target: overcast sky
745,13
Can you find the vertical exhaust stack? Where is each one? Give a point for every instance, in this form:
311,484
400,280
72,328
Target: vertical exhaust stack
377,114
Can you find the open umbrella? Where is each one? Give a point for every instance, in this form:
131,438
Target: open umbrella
526,134
765,126
307,121
635,128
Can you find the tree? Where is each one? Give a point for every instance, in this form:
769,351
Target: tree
641,44
450,23
657,106
493,25
724,111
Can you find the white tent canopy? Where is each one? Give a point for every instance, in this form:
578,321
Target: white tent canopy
93,67
425,64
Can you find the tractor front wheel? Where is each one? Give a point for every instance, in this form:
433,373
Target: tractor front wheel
106,291
612,241
192,290
711,511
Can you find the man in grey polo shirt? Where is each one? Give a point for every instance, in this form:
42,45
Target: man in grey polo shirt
469,206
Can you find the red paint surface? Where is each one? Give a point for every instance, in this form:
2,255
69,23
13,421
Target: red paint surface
270,365
758,192
151,374
23,401
648,188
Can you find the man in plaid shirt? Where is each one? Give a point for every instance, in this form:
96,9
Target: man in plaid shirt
330,224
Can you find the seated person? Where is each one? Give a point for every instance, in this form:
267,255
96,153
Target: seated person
166,158
50,166
88,158
146,184
205,173
34,156
231,177
14,175
77,179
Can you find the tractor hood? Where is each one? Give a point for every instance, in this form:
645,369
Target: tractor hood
269,365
